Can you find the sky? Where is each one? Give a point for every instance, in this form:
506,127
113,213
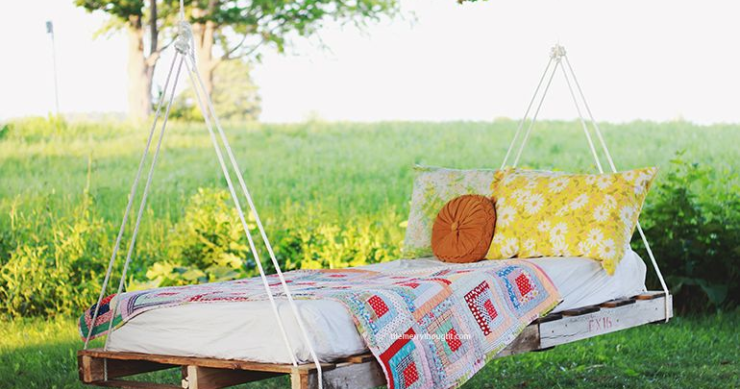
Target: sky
651,60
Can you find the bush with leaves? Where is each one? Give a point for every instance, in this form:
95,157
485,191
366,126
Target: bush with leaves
695,233
311,244
207,245
54,267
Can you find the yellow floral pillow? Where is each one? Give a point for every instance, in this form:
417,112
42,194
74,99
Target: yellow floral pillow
548,214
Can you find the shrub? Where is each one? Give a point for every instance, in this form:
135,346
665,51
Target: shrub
315,244
207,245
54,267
696,238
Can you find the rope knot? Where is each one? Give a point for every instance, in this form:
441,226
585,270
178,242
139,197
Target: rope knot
557,52
184,37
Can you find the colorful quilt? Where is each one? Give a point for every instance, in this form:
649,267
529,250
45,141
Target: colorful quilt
431,328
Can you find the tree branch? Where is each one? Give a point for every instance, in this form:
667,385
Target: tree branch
228,54
152,59
253,49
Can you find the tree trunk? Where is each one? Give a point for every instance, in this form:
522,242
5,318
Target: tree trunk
140,72
204,34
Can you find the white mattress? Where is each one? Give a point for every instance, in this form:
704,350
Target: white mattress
248,330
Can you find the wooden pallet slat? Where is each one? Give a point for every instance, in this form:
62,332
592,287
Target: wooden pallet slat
604,321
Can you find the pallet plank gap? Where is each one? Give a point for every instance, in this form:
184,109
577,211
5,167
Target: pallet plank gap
360,358
93,369
618,303
580,311
548,318
650,295
310,367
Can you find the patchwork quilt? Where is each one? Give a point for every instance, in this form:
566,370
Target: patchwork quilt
430,328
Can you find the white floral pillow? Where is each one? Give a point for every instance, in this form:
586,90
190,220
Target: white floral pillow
433,188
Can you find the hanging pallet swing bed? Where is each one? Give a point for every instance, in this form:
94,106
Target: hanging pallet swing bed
417,323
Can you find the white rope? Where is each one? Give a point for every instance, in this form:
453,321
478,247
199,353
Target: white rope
237,205
116,300
182,10
131,196
526,115
614,169
142,205
536,113
591,117
583,122
260,226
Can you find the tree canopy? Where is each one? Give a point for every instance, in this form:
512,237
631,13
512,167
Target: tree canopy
274,20
222,29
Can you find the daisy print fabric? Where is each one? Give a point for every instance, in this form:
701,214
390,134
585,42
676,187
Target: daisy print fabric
550,214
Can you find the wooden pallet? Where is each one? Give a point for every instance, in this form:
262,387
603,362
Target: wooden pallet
362,371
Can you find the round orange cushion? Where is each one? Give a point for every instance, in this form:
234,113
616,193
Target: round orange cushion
463,229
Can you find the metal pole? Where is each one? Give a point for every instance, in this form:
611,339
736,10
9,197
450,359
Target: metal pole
50,31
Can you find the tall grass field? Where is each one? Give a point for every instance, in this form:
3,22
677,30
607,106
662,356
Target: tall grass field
337,194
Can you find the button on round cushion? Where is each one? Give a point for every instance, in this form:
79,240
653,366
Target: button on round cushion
463,229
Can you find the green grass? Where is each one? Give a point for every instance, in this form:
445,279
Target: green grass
701,352
345,169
